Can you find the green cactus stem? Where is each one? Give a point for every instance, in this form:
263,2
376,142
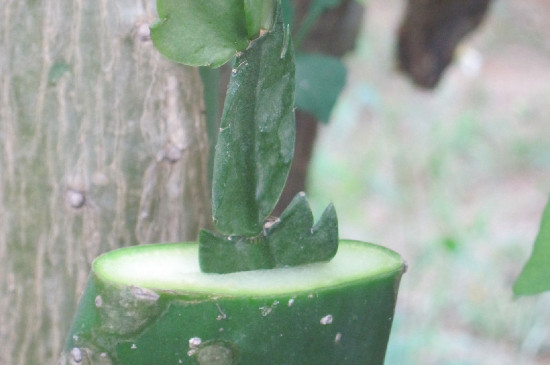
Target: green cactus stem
152,305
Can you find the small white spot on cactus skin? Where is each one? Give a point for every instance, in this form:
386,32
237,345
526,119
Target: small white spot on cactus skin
98,301
265,311
194,342
133,346
338,338
326,320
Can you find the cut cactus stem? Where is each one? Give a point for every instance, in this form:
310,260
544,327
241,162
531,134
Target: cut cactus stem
151,304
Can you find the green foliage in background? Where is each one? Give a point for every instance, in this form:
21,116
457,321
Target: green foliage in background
316,9
319,82
535,276
320,78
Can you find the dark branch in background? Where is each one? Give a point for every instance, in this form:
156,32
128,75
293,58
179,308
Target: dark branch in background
430,32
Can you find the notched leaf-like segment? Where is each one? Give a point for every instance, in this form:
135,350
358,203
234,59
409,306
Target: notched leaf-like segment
224,254
291,241
294,240
256,139
200,32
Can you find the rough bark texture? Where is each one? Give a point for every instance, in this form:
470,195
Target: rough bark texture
430,32
335,33
102,145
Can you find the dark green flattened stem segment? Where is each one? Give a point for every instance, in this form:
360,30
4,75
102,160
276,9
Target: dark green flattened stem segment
345,322
256,140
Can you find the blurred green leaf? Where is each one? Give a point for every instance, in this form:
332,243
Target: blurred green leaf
535,276
200,32
257,132
294,240
288,12
320,6
450,244
315,10
319,81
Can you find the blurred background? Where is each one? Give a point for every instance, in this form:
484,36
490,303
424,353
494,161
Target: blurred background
454,179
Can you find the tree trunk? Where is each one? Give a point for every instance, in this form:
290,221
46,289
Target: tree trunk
102,145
